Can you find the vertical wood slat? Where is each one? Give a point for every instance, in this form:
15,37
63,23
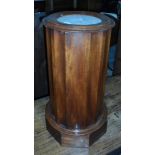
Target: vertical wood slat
76,78
49,43
95,61
103,69
106,49
58,57
102,73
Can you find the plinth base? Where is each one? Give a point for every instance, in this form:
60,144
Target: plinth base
73,138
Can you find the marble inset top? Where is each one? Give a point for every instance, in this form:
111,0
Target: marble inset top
76,19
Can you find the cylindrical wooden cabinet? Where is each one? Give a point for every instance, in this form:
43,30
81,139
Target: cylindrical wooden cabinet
77,51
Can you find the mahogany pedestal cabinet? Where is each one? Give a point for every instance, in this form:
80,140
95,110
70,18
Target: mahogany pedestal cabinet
77,50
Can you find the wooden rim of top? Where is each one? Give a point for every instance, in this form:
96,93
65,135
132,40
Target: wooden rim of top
52,22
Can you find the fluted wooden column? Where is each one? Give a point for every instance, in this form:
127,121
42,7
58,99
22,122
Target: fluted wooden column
77,61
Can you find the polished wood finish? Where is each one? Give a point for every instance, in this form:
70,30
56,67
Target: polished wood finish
77,62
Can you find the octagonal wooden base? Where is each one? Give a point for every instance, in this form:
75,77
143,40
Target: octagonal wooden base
76,138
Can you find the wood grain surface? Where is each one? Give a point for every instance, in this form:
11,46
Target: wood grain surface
45,144
77,69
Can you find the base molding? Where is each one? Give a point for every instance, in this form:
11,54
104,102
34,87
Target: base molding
73,138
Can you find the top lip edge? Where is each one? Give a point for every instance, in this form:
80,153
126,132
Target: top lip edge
109,23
